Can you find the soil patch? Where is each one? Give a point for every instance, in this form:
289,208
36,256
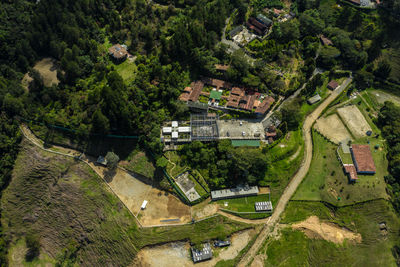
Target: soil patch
48,70
313,228
205,211
332,128
161,205
354,120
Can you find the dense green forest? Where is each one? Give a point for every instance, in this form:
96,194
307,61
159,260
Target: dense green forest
175,42
389,121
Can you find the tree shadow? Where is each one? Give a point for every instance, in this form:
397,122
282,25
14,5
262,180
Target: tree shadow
109,175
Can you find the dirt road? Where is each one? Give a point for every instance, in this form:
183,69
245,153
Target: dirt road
298,177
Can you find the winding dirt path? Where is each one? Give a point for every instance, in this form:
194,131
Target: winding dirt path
297,178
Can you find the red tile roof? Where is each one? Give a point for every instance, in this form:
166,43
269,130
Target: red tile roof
185,94
197,88
332,85
264,106
351,171
362,157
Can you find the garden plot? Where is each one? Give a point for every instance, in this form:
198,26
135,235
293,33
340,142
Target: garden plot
354,120
332,128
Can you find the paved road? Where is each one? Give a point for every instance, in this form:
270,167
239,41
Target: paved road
298,177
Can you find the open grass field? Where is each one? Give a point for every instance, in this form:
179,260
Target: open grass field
378,97
127,70
326,180
65,203
285,158
294,248
242,204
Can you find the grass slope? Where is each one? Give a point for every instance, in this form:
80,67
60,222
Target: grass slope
293,248
67,205
326,180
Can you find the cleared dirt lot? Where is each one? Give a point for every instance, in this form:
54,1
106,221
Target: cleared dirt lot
332,128
47,68
161,205
178,254
313,228
354,120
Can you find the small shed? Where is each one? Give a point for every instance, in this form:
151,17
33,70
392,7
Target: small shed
101,160
184,129
220,243
314,99
167,130
144,204
332,85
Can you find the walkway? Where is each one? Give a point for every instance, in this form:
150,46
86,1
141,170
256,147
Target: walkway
296,180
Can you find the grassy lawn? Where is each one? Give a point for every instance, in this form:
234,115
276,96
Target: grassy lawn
242,204
285,159
138,162
127,70
326,180
293,248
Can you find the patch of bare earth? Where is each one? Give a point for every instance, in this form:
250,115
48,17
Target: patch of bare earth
332,128
47,68
205,211
354,120
178,253
314,228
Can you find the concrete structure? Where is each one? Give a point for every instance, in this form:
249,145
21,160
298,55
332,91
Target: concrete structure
201,255
263,206
239,191
167,130
240,130
184,129
174,135
174,124
221,244
363,160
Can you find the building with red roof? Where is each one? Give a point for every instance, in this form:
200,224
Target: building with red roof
351,172
362,159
